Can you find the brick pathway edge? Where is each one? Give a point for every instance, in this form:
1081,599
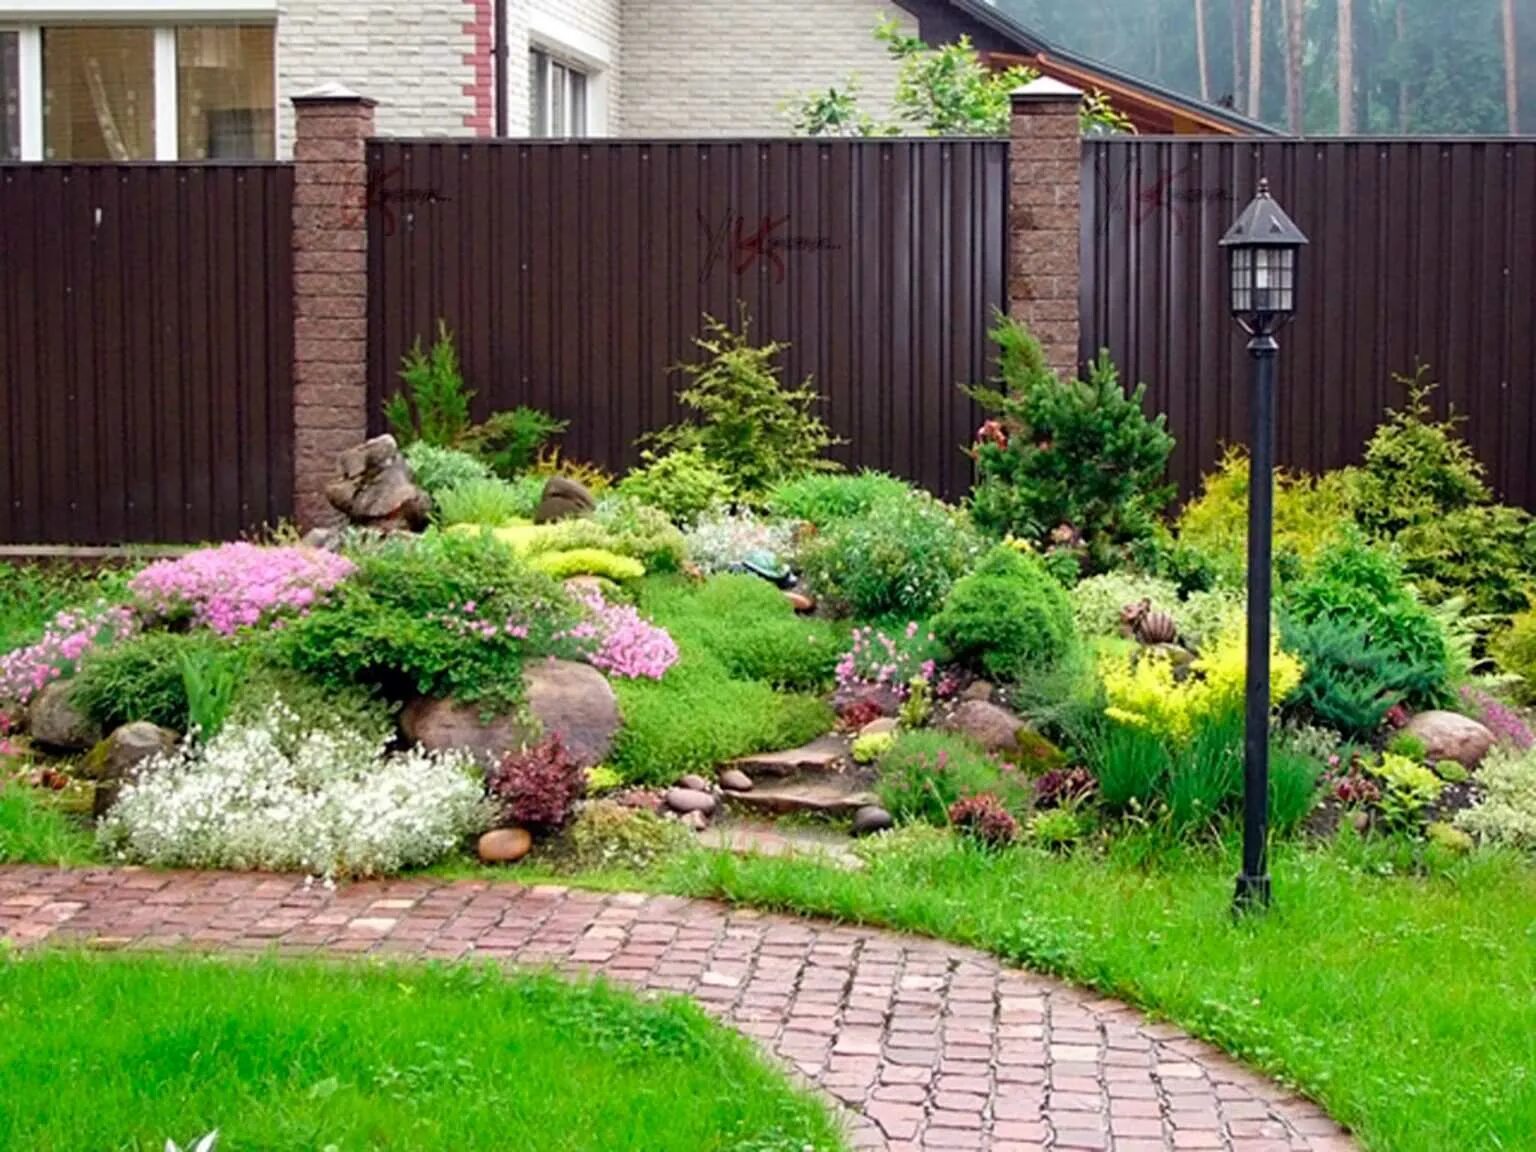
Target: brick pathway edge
924,1045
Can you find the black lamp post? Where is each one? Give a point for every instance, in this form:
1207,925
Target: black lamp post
1263,248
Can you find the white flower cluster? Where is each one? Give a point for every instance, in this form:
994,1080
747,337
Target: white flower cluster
271,796
723,539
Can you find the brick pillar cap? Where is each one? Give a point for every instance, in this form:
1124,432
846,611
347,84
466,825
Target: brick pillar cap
333,93
1045,90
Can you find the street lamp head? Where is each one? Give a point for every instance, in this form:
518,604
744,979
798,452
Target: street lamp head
1262,252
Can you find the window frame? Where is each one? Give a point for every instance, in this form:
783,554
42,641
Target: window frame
28,18
559,71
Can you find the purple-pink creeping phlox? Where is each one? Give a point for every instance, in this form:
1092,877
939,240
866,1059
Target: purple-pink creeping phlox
465,620
1499,718
69,636
892,661
237,586
621,642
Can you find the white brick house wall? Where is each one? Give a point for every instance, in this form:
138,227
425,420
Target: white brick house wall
727,67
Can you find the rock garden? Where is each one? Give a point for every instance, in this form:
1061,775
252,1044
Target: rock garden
503,661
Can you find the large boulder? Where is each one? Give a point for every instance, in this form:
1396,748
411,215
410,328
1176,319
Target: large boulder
114,759
562,499
573,700
55,722
1451,736
992,726
375,488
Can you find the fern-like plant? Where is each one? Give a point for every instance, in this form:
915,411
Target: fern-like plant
748,424
434,406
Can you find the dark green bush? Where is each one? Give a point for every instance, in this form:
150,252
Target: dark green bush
1008,618
429,615
822,500
1067,461
145,676
926,771
509,441
898,560
338,708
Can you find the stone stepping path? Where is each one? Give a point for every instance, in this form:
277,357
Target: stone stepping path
926,1045
819,779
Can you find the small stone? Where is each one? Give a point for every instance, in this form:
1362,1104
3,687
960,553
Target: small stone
1451,736
978,690
54,721
1360,821
117,755
690,800
694,783
735,780
800,602
697,821
885,726
504,845
870,819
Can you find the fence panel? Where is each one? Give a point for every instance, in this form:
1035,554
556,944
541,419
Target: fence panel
1421,251
146,346
575,276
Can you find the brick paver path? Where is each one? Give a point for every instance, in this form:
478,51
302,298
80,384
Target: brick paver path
929,1046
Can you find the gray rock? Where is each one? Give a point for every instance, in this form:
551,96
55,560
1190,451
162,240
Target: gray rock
688,800
563,499
1451,736
376,488
870,819
735,780
697,821
574,700
995,728
55,722
694,783
978,690
115,757
885,726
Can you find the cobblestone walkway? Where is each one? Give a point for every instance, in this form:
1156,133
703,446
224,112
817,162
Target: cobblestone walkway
928,1046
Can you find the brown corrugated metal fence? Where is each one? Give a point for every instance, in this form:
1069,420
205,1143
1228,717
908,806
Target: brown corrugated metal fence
145,351
575,276
1421,250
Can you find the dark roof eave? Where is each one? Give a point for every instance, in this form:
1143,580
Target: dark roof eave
1005,25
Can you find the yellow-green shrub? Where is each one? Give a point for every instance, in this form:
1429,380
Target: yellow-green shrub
1142,688
587,562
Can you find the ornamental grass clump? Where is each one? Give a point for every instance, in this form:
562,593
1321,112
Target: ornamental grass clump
70,636
272,796
237,586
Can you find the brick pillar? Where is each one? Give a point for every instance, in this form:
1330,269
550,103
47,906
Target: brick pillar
330,289
1044,206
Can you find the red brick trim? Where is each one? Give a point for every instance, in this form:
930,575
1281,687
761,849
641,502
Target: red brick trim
481,65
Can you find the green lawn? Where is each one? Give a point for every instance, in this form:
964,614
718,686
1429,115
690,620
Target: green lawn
1406,1005
33,830
106,1053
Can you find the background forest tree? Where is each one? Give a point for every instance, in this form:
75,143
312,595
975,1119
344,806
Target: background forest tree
1320,66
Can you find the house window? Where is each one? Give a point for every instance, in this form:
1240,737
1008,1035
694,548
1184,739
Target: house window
93,91
557,96
98,93
225,93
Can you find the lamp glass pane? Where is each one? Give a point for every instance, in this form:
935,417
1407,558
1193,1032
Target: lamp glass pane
1242,281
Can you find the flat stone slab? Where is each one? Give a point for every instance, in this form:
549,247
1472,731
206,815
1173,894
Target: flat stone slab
821,755
828,795
763,839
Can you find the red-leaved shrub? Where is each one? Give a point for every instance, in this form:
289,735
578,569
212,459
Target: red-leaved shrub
986,818
537,787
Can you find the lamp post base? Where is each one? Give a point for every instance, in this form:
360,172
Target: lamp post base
1252,894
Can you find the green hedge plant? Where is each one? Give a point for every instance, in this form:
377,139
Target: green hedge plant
1008,618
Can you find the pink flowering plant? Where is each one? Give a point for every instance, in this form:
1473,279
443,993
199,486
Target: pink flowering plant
878,659
619,641
66,641
237,586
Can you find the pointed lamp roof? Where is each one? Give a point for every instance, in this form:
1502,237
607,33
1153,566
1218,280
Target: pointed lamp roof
1264,224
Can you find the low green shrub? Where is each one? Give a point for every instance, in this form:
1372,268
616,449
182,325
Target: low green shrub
1098,601
924,773
1408,790
145,677
332,708
1008,617
608,837
748,626
438,469
822,500
1514,649
436,615
899,559
488,503
638,530
1067,461
683,484
697,717
509,441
